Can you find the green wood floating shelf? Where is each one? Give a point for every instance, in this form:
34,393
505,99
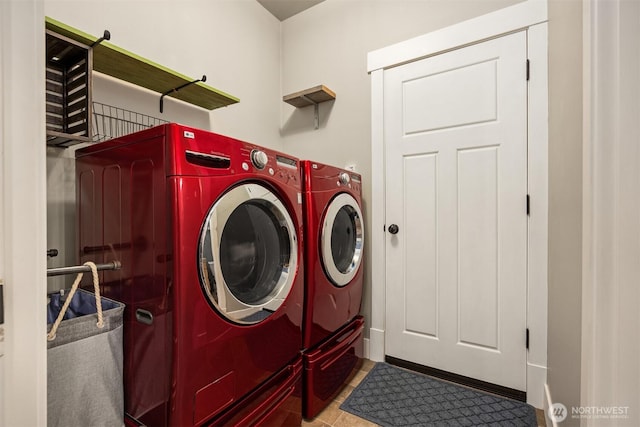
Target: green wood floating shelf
124,65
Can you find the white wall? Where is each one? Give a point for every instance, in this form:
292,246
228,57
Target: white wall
594,233
328,44
565,202
611,295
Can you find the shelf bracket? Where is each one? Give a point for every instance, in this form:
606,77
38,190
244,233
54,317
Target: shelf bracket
312,96
105,36
316,111
170,91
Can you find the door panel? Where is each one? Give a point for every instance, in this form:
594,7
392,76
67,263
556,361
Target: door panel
477,223
421,245
469,92
456,184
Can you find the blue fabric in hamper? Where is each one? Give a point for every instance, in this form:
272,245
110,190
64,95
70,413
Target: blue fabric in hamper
84,363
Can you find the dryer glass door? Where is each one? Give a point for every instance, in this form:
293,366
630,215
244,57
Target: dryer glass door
342,239
248,253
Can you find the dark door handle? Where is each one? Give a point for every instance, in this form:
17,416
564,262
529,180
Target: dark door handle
393,229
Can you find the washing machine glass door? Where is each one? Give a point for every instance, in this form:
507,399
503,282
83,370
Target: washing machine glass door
342,239
248,253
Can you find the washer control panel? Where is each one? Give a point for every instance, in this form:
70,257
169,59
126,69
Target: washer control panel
283,168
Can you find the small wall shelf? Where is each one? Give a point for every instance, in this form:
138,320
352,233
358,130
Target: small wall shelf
312,96
124,65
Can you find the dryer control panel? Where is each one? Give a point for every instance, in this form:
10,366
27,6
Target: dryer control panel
351,180
321,177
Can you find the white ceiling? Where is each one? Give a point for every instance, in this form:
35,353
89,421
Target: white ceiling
283,9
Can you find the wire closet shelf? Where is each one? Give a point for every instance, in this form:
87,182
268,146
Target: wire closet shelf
112,122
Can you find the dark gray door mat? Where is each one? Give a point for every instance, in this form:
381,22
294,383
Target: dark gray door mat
392,396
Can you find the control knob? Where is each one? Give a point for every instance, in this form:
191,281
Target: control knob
344,178
259,159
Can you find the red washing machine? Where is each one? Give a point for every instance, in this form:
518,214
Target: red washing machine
334,239
209,233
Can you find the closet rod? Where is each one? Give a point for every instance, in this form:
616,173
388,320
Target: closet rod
113,265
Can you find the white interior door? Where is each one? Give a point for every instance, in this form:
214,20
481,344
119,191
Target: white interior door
456,184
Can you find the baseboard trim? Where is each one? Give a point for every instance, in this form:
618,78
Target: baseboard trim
365,350
548,402
460,379
536,380
376,344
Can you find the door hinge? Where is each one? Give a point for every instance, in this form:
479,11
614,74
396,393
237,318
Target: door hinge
1,302
527,339
528,205
528,70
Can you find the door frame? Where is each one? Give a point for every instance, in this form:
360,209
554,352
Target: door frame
23,196
530,16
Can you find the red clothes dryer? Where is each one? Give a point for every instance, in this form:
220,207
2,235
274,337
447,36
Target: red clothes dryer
209,233
334,239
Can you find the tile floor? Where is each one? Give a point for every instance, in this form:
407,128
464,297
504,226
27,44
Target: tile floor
333,416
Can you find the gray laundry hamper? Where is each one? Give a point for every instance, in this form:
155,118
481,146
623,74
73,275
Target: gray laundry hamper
84,358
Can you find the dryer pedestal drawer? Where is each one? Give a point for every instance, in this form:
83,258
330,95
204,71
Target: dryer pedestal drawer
330,366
